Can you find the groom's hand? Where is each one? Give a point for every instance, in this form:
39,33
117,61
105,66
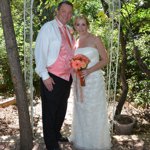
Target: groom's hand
49,83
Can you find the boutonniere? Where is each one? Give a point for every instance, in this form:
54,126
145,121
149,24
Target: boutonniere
71,31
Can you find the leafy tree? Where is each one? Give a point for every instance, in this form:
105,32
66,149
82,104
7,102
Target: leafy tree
136,27
13,57
134,39
134,62
6,84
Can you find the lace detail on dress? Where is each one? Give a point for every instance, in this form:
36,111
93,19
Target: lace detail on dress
90,128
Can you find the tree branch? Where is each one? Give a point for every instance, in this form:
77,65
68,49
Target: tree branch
140,62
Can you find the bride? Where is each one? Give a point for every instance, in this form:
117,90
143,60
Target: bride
90,128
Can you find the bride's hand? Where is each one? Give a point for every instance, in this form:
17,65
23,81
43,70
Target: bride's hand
85,72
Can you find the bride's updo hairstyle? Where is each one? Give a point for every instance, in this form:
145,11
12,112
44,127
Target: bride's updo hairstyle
81,17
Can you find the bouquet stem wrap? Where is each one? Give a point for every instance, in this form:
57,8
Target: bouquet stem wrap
82,80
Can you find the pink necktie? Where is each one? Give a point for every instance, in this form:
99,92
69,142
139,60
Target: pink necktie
66,36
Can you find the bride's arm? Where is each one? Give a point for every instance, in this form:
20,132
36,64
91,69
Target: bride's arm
103,57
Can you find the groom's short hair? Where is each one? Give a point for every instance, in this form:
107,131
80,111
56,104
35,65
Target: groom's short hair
64,2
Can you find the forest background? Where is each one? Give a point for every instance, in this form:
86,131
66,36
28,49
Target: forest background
133,84
134,55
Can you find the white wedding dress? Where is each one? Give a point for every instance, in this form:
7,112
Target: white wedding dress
90,127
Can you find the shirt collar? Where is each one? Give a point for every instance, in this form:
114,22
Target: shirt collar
59,23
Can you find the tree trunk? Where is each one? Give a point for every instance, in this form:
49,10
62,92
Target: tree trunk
124,93
26,142
105,7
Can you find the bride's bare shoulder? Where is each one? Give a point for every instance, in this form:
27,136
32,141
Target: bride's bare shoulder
98,39
92,37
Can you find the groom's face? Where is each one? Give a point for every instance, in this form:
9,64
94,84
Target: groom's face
64,13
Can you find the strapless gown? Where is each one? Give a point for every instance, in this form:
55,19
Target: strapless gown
90,127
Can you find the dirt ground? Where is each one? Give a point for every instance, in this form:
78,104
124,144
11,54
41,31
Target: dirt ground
9,129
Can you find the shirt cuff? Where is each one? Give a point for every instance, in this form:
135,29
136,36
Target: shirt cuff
45,76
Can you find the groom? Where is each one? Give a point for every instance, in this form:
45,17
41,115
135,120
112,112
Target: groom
53,52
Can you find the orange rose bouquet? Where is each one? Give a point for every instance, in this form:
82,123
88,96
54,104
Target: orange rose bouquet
78,63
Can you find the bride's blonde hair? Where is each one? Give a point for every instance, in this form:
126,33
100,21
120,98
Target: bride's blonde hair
81,17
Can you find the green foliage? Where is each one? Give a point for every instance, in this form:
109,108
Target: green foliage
5,78
6,82
135,23
139,91
43,11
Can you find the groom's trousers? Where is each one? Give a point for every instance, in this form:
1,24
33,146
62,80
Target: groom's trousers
54,106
